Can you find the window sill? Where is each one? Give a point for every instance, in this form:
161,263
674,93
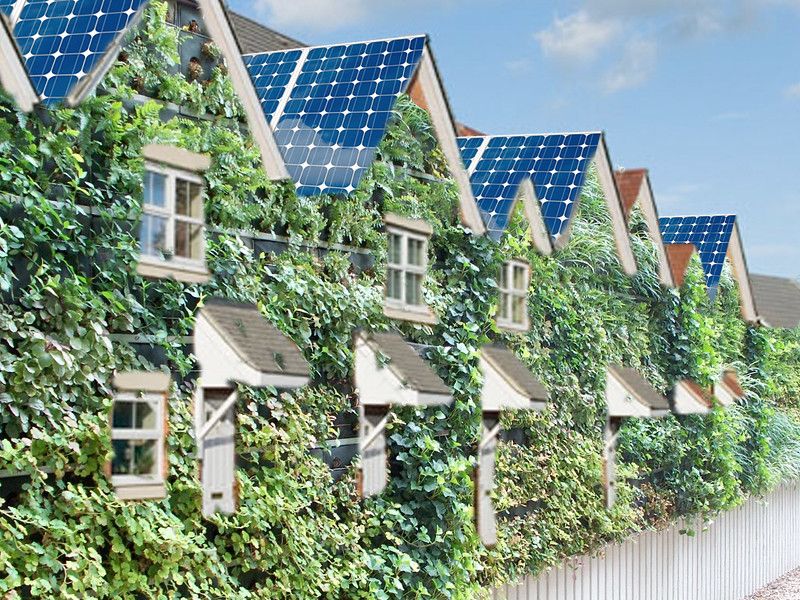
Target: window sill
510,327
151,490
417,316
173,270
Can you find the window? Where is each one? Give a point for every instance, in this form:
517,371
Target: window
513,302
407,265
137,439
172,219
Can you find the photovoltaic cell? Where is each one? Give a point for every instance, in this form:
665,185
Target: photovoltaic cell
711,235
556,163
61,41
6,6
329,106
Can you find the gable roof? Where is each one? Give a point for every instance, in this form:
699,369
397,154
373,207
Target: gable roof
13,74
254,37
634,187
256,341
715,238
406,363
778,300
330,106
516,373
639,387
557,164
69,45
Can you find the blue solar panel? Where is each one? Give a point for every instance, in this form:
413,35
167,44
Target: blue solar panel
711,235
62,40
556,163
6,6
330,106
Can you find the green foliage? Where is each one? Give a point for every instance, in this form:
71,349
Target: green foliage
70,184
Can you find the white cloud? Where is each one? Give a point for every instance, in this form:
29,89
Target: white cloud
793,91
578,38
637,64
316,14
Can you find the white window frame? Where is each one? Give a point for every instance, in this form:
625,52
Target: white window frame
508,293
405,268
126,484
168,212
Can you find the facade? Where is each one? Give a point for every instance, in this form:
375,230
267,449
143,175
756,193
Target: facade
276,345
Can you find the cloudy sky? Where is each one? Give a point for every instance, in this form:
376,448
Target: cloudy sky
704,93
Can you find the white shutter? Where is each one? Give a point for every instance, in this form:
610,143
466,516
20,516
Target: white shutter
373,458
484,484
219,458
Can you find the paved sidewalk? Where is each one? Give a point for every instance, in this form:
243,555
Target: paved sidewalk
785,588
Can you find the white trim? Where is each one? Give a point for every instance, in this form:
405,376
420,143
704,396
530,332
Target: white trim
739,264
405,268
89,82
142,381
533,211
441,117
16,11
511,292
220,30
622,238
13,74
478,153
177,158
647,203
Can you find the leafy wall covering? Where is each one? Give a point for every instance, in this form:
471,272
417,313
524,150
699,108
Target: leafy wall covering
70,188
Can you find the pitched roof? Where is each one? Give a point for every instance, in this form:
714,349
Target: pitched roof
629,184
516,373
406,363
640,387
254,339
254,37
778,300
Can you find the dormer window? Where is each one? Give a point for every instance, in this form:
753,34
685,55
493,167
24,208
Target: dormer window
172,229
407,267
513,285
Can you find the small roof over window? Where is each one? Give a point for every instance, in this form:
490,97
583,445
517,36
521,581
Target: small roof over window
509,383
235,343
628,394
389,371
778,300
727,389
688,398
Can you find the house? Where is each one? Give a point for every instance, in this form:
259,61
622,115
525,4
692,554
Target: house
778,300
508,384
635,190
388,372
547,173
714,238
628,395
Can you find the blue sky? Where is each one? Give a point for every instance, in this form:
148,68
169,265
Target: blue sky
704,93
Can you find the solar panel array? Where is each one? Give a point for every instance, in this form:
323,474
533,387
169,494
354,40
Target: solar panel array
61,41
711,235
329,106
6,6
556,163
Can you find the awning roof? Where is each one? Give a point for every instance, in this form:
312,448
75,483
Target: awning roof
517,375
777,300
639,389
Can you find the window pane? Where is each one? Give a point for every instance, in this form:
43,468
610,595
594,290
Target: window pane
395,249
413,289
188,198
134,457
503,308
520,278
153,235
122,418
519,310
394,284
188,240
416,252
146,416
503,283
155,189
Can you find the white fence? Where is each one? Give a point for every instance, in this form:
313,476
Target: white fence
740,552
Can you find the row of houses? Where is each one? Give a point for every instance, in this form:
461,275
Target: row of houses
317,116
